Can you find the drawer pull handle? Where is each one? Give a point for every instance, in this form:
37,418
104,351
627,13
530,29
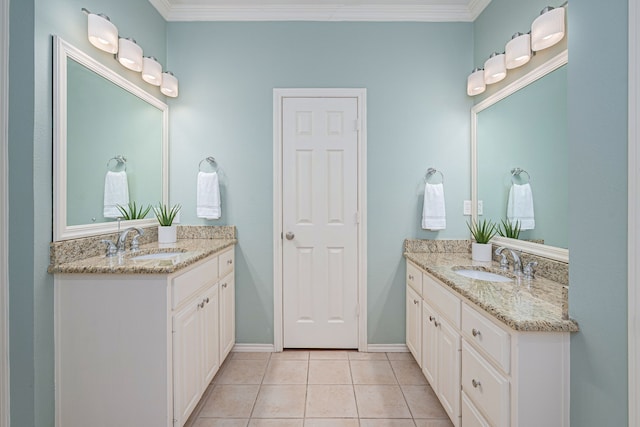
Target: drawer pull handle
415,301
224,285
475,332
436,323
475,383
201,305
431,318
410,277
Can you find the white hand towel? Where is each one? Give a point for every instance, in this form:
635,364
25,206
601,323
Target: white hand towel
116,192
208,196
433,213
520,206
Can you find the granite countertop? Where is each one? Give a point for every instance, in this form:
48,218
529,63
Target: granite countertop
191,251
523,305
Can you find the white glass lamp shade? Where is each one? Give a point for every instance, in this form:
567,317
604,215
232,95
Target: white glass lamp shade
102,33
169,84
130,54
475,82
151,71
495,68
518,51
548,28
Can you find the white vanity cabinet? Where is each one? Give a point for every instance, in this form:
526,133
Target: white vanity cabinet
139,350
227,303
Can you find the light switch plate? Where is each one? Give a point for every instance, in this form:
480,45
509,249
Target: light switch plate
480,210
466,210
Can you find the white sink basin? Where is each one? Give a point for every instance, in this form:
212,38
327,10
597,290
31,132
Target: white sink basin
159,255
483,275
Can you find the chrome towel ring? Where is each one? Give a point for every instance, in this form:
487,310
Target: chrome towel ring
515,172
431,172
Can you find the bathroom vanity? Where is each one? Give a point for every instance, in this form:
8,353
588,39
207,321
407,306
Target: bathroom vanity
495,353
139,336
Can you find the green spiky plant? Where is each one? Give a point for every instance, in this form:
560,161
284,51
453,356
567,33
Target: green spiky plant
482,231
132,211
166,215
509,229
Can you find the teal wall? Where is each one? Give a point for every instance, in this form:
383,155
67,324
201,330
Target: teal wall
417,113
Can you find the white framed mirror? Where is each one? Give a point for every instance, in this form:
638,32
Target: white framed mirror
517,127
103,123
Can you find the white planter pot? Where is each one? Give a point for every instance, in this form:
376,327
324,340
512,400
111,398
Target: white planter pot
481,252
167,234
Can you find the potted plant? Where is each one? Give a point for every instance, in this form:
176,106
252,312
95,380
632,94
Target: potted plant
509,229
166,229
482,233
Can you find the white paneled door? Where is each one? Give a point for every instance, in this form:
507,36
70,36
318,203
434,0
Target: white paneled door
320,222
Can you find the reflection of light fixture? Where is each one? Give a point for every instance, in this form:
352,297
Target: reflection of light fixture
475,82
548,28
169,84
494,68
101,32
518,50
151,71
130,54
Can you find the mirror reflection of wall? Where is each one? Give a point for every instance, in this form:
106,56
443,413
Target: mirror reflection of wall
528,129
104,120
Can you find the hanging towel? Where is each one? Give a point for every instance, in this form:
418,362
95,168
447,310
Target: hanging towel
208,196
433,214
520,206
116,192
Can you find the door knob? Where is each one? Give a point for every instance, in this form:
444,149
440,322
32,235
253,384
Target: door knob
289,235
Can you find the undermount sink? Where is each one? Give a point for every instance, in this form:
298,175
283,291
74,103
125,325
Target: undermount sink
483,275
157,256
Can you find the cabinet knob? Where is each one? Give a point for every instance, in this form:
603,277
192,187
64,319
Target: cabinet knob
431,318
229,262
224,285
436,323
415,301
410,277
206,300
475,332
289,235
475,383
201,305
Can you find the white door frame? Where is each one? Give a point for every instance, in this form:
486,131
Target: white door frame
4,214
278,95
634,216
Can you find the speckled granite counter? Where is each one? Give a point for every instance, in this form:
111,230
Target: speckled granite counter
522,305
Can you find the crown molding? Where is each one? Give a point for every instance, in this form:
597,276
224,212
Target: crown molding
318,12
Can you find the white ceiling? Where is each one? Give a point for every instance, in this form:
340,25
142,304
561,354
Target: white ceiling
321,10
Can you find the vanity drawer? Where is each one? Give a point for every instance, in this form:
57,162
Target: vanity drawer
414,278
226,261
485,387
471,417
188,283
441,299
486,335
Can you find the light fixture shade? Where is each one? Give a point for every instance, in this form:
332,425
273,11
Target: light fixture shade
495,68
169,84
518,51
151,71
475,82
130,54
548,28
102,33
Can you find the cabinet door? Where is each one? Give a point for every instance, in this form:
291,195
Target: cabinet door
227,315
449,369
414,324
187,362
429,345
210,334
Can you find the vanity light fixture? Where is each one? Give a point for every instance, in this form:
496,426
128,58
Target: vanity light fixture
518,51
129,54
101,32
548,28
495,68
151,70
475,82
169,85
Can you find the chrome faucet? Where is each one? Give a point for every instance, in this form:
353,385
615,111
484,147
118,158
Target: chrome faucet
123,238
504,263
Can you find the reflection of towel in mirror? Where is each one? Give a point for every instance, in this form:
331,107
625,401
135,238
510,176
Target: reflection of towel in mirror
520,206
433,213
208,196
116,192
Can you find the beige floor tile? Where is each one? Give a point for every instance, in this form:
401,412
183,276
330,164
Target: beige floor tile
361,355
220,422
286,372
291,355
423,402
400,356
433,423
329,372
386,423
280,401
230,401
243,372
263,355
381,401
331,422
276,423
372,372
329,354
408,372
331,401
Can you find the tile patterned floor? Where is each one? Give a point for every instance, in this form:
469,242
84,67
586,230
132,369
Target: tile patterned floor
319,389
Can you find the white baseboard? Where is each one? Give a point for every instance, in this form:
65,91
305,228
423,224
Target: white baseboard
270,348
254,348
387,348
